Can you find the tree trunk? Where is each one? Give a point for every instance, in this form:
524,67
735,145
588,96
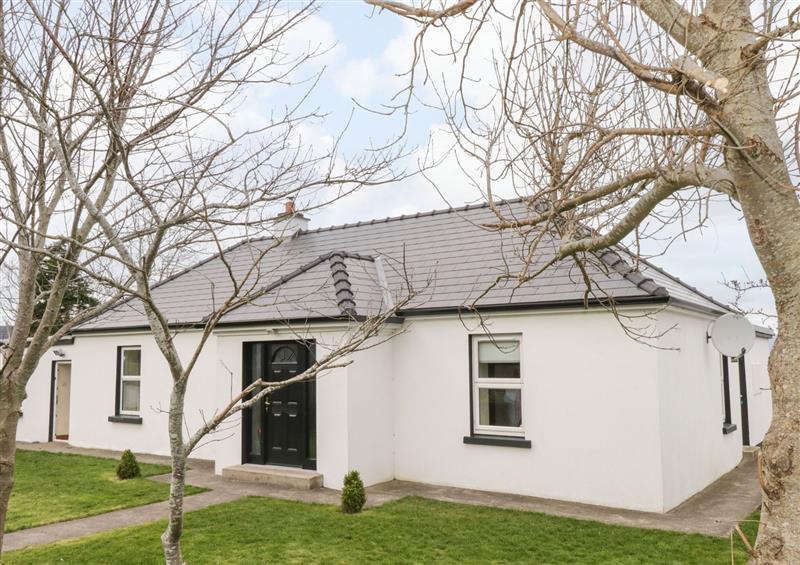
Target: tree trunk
10,403
778,537
772,213
171,538
755,158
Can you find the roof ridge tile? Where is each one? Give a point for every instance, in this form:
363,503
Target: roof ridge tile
435,212
345,298
614,260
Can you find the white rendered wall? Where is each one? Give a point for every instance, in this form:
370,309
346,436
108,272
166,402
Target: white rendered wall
695,452
759,395
93,393
370,415
354,403
332,434
611,421
35,421
228,382
590,409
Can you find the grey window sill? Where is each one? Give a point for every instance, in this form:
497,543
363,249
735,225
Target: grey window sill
728,428
498,441
125,419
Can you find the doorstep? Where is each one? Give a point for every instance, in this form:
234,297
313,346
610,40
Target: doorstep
275,475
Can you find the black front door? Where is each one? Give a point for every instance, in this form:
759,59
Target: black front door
280,431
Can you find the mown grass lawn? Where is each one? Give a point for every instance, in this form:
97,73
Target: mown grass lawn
53,487
411,530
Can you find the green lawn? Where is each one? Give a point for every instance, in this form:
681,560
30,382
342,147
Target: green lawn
53,487
412,530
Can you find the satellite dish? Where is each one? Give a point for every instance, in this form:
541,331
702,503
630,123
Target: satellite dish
732,335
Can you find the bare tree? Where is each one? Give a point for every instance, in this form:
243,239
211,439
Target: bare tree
123,119
621,123
743,290
253,284
37,215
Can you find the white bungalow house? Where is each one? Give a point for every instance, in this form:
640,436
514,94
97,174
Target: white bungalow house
556,401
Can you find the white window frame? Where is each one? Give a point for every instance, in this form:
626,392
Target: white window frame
129,378
479,383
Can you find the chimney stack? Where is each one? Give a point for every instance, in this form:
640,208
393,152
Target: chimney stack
290,221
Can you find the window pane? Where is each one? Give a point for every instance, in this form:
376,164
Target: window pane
257,361
130,396
498,351
131,362
500,407
256,437
284,355
498,370
498,360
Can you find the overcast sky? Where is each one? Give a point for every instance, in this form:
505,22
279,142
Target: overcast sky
366,53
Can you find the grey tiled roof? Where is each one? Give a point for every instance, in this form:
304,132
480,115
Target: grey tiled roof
332,271
330,286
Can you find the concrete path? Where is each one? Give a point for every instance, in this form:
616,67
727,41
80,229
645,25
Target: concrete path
714,511
109,521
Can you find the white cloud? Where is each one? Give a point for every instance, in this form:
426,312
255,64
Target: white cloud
454,181
380,73
315,34
358,78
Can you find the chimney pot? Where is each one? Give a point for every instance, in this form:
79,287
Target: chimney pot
290,222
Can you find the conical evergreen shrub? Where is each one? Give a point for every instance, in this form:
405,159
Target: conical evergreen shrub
128,467
353,495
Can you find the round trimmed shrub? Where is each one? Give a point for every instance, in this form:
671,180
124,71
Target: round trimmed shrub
353,495
128,467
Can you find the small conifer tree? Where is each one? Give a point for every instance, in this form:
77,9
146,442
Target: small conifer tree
353,495
128,467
